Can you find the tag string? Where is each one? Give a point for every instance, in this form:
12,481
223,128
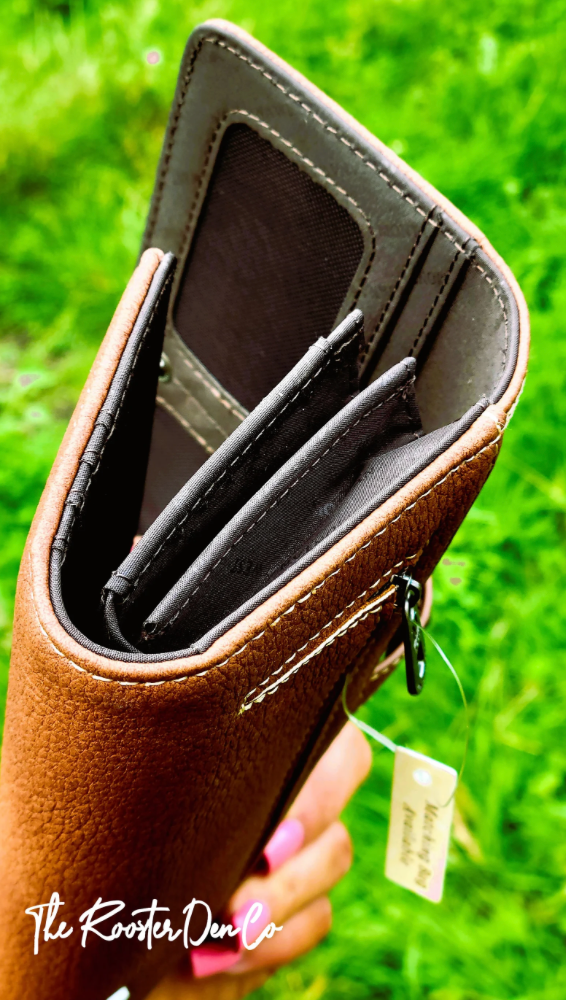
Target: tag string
389,744
452,670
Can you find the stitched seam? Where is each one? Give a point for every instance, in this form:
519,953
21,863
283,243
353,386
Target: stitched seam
294,670
281,496
388,180
209,417
185,235
330,180
321,122
93,469
176,527
377,330
187,228
177,680
218,395
188,426
335,711
403,562
433,306
169,151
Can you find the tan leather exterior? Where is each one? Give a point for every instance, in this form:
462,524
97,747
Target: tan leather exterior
140,781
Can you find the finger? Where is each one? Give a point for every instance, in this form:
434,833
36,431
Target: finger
333,781
337,775
223,987
335,778
301,933
303,878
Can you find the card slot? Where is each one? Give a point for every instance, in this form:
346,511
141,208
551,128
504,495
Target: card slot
296,507
400,294
305,400
440,307
391,471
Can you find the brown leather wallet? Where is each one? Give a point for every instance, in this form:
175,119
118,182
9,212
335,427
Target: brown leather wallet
299,397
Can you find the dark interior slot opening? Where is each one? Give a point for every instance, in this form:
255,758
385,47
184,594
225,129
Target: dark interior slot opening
101,513
271,262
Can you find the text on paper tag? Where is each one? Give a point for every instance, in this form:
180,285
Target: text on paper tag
422,805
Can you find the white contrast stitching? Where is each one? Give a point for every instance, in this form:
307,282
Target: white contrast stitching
271,624
294,97
318,170
273,689
388,180
218,395
185,423
472,458
186,234
339,632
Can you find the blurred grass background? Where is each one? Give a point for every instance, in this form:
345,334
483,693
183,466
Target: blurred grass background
473,95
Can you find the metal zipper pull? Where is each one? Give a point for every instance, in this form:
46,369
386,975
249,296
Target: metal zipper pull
409,593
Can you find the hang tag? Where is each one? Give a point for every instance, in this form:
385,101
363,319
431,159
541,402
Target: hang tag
422,805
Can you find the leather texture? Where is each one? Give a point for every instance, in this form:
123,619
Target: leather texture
133,781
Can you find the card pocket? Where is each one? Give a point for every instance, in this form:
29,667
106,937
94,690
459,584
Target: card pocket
316,492
316,388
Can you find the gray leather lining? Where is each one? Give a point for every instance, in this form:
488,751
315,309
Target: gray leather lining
194,398
224,81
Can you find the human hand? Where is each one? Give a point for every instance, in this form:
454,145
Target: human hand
308,854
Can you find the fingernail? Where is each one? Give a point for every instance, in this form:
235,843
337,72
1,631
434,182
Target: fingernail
256,920
209,959
286,841
259,918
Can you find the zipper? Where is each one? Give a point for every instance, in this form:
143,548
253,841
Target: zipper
409,594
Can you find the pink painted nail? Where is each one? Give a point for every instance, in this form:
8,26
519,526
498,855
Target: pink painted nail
209,959
286,841
252,918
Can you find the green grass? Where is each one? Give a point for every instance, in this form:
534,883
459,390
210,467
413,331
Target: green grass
473,95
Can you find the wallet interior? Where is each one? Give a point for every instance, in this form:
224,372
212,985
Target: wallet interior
284,218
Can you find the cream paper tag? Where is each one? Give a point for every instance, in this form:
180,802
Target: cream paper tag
422,805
